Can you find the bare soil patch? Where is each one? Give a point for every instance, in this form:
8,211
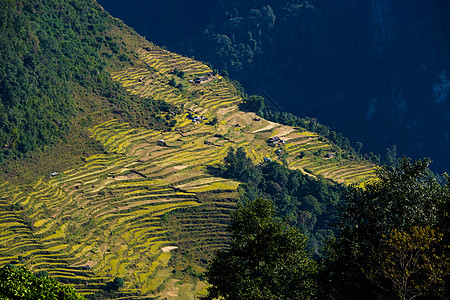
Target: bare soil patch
221,112
168,248
180,167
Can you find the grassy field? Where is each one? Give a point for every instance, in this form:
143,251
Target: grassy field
115,214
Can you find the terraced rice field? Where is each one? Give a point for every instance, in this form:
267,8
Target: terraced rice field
89,225
127,211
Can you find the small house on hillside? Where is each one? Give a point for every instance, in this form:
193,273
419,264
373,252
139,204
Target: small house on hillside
161,143
200,79
197,119
274,140
330,155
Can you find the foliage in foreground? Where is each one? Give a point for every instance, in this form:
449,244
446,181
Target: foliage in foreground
410,262
19,283
393,240
266,260
392,243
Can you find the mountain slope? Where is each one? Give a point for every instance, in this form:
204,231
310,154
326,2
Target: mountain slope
53,78
143,203
375,70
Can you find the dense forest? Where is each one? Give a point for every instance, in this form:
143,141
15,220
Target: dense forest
304,202
52,74
375,70
392,243
393,238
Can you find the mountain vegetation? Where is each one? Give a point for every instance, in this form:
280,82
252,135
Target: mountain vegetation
393,238
124,165
53,75
375,70
20,283
304,202
257,104
392,243
267,259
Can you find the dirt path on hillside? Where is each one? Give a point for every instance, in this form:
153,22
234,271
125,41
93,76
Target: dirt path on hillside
268,127
284,131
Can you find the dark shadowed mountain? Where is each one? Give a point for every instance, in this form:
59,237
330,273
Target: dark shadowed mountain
376,70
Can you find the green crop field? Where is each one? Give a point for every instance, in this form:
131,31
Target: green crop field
148,209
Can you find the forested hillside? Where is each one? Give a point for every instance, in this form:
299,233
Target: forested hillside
126,167
375,70
53,76
392,244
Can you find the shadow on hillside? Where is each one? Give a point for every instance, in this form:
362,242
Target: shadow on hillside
215,170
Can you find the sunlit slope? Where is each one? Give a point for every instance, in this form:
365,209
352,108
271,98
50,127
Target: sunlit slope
152,194
89,225
218,98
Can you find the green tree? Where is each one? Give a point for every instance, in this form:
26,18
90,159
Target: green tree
213,121
224,73
254,103
266,259
390,157
179,73
115,285
359,146
287,189
410,263
19,283
172,82
404,196
239,166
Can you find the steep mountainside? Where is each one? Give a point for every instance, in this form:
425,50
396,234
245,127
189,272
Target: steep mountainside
133,191
54,80
375,70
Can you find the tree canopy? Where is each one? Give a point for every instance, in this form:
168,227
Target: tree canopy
54,60
266,259
304,202
18,283
403,213
410,263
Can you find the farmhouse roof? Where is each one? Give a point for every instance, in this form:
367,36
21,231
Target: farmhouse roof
201,79
273,139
